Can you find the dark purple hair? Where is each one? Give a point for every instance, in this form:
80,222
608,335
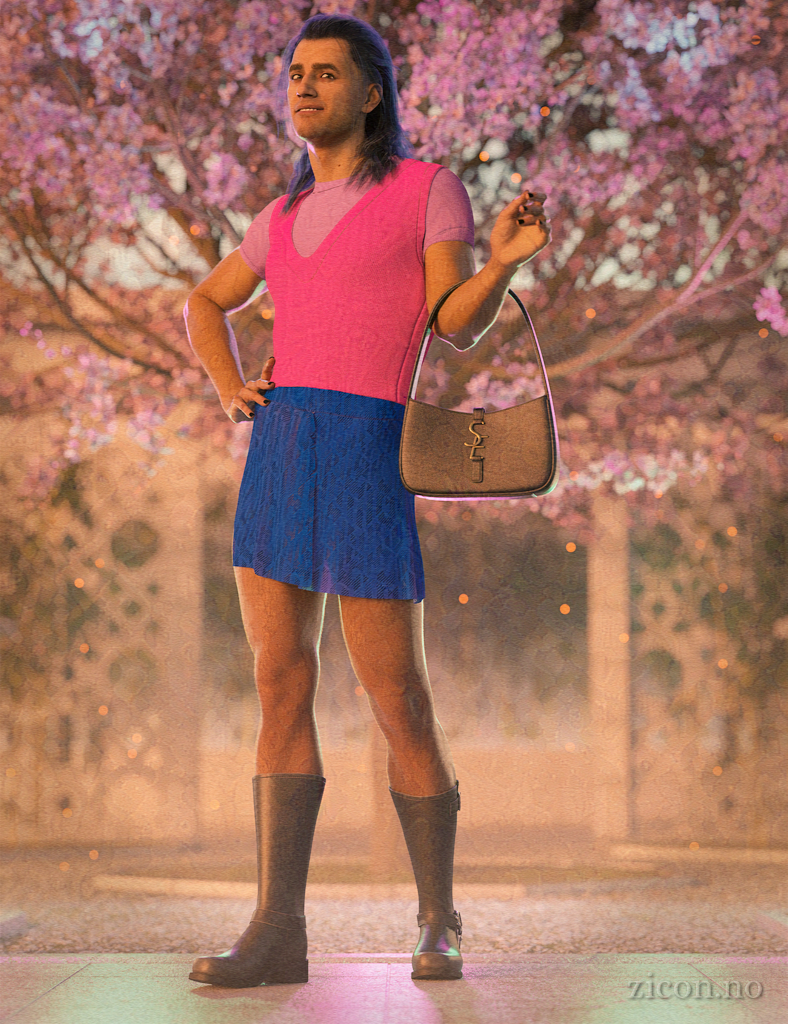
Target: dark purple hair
385,143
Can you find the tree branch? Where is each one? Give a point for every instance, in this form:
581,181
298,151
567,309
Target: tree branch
653,316
714,371
114,312
176,272
77,325
696,282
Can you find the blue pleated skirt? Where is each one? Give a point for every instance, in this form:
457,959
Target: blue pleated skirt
321,503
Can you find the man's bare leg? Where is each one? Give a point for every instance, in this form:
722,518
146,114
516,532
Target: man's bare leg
283,625
385,641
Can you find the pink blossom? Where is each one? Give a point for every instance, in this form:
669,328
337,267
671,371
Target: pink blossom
769,306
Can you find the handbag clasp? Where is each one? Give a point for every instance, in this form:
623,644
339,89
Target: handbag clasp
477,460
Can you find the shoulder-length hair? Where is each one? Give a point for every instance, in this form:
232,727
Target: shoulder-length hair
385,142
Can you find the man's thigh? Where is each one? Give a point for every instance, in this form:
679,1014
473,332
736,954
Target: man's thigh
384,638
278,617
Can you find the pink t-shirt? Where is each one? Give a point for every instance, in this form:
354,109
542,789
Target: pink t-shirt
449,217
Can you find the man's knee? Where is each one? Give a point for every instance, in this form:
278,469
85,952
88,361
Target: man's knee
288,676
403,702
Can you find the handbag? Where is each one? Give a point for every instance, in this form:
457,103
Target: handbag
510,453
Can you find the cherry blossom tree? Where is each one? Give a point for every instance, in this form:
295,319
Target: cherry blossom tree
150,132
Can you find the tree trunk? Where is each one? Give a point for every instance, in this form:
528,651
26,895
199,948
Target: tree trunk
608,666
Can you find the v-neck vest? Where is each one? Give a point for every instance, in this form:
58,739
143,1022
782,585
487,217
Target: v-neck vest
350,316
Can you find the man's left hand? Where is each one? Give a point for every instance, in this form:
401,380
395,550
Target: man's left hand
521,230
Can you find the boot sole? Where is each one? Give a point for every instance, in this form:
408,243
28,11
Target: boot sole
291,975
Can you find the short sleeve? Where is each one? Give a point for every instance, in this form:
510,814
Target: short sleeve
254,247
449,211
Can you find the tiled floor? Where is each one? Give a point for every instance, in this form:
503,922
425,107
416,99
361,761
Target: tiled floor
542,988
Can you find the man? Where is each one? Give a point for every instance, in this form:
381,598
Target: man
321,508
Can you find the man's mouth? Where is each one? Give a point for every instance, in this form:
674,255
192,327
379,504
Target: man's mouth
301,109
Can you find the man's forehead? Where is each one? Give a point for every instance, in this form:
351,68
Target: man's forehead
314,51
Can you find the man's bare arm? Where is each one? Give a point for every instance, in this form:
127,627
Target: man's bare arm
228,287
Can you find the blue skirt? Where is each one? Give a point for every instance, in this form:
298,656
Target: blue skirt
321,503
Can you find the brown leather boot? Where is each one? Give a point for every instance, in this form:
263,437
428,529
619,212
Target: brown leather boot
429,824
273,949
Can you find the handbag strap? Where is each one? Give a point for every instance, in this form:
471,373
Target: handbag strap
433,317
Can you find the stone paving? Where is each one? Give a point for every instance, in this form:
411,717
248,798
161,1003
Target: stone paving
582,948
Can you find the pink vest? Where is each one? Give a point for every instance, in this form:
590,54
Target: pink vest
350,316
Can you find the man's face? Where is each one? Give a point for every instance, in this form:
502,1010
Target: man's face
337,91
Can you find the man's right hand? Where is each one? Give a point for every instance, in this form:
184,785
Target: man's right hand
241,407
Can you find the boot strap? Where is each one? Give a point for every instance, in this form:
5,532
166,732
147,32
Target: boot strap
442,919
277,920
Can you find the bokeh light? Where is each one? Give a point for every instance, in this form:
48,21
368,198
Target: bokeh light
564,609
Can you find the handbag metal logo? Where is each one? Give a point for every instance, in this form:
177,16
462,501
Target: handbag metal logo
477,460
